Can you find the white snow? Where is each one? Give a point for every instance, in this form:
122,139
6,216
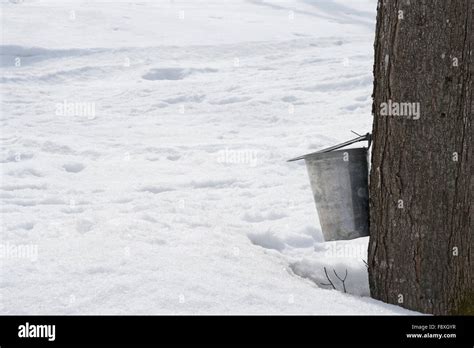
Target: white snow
144,147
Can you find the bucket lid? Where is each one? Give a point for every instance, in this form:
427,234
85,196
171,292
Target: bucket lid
366,137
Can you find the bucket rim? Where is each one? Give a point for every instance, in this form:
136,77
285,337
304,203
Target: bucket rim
367,137
323,155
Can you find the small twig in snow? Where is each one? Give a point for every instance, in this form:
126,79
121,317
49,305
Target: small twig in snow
342,280
329,279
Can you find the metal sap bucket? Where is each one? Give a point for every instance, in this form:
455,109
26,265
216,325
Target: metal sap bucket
339,181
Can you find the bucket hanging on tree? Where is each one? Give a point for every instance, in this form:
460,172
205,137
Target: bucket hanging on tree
339,181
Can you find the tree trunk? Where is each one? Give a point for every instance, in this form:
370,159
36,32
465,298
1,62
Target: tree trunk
420,250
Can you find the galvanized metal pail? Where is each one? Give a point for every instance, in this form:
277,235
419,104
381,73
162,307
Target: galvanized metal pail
339,181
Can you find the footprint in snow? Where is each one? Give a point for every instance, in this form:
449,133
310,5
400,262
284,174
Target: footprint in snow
73,167
173,74
267,240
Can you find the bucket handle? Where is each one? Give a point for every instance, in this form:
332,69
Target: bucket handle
367,137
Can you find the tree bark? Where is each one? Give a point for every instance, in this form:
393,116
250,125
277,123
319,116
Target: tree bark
421,242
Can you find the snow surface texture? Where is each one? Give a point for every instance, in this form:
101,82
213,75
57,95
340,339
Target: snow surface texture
144,148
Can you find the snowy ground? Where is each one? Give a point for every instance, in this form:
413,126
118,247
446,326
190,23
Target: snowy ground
144,147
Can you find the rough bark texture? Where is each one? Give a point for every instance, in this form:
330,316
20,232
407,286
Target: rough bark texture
421,243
